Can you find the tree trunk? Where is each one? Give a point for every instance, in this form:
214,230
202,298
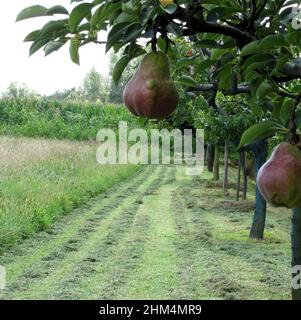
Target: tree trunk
238,178
245,176
216,164
257,229
296,250
226,169
210,157
206,154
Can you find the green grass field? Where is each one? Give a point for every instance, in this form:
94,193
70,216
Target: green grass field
158,235
40,180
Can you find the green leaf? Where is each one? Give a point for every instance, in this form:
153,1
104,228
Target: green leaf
250,48
132,32
32,36
187,81
205,64
183,63
296,88
147,14
225,77
294,38
73,50
87,27
227,57
116,33
272,41
52,26
276,105
134,50
263,90
261,57
260,131
256,62
37,45
175,29
78,14
57,10
280,63
53,46
32,12
220,12
119,68
105,12
286,111
40,11
217,53
161,43
251,76
131,7
99,16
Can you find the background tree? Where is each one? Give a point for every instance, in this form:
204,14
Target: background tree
19,91
72,94
116,90
95,87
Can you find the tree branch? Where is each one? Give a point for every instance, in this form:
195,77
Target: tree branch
292,69
197,25
253,14
241,89
242,37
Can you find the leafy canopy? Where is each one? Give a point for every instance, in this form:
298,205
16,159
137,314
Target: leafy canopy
241,46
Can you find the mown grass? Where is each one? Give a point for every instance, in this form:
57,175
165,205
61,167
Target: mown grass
41,180
158,235
228,264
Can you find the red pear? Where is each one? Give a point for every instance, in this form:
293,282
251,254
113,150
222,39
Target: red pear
279,179
151,93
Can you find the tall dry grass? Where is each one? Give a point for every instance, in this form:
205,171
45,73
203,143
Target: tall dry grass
42,179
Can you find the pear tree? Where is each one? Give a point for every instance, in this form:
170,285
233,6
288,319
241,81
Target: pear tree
247,47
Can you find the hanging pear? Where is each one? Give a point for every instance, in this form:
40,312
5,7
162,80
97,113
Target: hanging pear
151,93
279,180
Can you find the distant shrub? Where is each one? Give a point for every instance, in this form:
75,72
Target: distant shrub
60,120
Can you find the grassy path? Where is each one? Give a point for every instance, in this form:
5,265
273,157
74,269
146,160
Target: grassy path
159,235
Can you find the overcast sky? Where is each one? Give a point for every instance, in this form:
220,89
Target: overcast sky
43,74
